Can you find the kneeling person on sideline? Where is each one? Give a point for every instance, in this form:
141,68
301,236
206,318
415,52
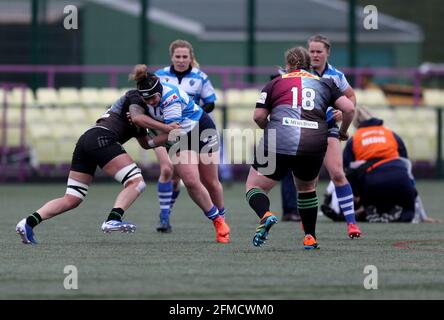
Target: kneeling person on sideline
379,168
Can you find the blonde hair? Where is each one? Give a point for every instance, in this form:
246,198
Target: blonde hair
322,39
361,114
184,44
297,58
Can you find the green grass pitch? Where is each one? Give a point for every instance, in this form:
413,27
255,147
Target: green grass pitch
189,264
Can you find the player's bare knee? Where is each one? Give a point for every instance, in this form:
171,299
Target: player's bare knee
141,186
166,172
72,202
338,177
306,186
191,184
214,185
138,184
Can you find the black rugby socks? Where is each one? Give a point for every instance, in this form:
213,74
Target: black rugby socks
33,220
308,210
258,201
115,214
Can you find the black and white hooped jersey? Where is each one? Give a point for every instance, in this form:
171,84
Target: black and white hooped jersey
115,119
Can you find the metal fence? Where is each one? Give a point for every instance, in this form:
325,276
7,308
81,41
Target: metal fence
16,158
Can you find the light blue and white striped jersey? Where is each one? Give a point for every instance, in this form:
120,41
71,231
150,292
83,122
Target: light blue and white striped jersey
337,76
195,83
176,106
340,81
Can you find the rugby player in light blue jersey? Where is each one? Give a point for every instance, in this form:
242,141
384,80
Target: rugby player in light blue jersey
319,49
196,153
184,72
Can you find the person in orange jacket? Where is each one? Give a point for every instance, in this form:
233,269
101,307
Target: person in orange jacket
380,177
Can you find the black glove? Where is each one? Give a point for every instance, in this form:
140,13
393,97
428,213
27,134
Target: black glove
208,107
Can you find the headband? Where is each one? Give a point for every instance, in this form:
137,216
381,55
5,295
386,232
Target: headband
148,93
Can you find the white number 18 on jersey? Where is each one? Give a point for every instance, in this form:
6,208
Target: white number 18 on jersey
308,97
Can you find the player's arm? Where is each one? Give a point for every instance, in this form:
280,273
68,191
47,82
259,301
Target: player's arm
348,110
163,138
140,119
143,142
261,117
344,104
207,94
159,140
208,107
209,99
147,142
350,94
263,107
347,89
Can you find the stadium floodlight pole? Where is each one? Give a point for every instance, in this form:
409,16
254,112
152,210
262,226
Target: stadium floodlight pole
251,39
352,38
144,25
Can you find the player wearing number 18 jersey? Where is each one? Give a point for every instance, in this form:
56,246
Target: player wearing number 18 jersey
293,106
297,103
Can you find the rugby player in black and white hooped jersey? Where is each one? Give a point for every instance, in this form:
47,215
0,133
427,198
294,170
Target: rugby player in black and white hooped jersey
101,145
294,106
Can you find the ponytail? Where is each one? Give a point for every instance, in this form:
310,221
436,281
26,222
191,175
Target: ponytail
139,73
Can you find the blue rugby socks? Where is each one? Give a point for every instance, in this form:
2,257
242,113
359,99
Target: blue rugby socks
165,191
213,213
174,197
345,198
